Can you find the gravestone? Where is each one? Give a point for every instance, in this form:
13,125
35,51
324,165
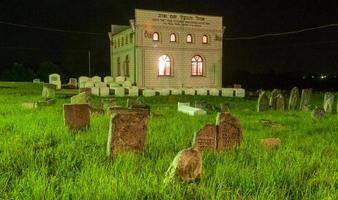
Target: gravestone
273,98
202,91
305,99
133,91
148,92
118,91
95,91
108,79
176,91
120,79
100,84
189,91
206,138
227,92
126,84
237,86
127,130
104,91
48,90
81,98
280,103
29,105
55,79
163,91
263,102
82,81
89,84
294,98
96,79
328,102
229,131
76,116
214,92
190,110
239,92
186,166
317,113
36,80
72,83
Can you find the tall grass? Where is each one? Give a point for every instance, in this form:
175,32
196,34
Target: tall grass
40,159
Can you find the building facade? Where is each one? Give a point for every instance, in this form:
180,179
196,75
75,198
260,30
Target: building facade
169,50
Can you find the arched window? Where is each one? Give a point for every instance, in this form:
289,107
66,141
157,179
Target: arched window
205,39
126,67
197,66
189,38
164,65
172,37
118,66
155,36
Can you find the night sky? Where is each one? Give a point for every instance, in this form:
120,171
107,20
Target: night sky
313,51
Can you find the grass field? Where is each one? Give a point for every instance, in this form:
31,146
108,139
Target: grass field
40,159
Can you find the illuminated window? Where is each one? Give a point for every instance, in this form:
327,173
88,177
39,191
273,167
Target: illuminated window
118,66
131,37
172,37
189,38
164,66
197,66
155,36
205,39
126,39
126,67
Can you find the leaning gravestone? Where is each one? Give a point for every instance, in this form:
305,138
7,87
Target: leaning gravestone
263,102
186,166
229,131
206,138
76,116
280,103
305,99
294,98
48,90
81,98
273,98
127,130
328,102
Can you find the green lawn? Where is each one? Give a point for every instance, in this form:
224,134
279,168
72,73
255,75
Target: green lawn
40,159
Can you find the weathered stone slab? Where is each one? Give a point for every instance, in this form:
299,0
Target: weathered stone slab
96,79
133,91
89,84
100,84
126,84
180,104
108,79
294,98
189,91
328,102
120,79
186,166
190,110
104,91
88,91
214,92
113,85
228,92
280,102
163,91
229,131
95,91
305,98
29,105
127,131
81,98
239,92
202,91
148,93
55,79
176,91
273,98
48,90
118,91
82,81
76,116
206,138
263,102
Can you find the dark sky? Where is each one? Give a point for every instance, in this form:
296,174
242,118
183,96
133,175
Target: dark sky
313,51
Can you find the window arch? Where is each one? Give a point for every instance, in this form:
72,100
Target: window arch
126,66
155,36
205,39
173,37
164,65
189,38
197,66
118,66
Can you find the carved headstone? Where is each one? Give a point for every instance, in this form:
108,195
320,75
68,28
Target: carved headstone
294,98
55,79
76,116
273,98
48,90
229,131
206,138
280,103
186,166
72,83
263,102
127,131
305,98
328,102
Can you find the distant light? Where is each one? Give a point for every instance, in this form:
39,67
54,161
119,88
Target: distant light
312,76
322,77
304,77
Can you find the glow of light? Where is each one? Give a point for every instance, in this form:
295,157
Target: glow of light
322,77
161,65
